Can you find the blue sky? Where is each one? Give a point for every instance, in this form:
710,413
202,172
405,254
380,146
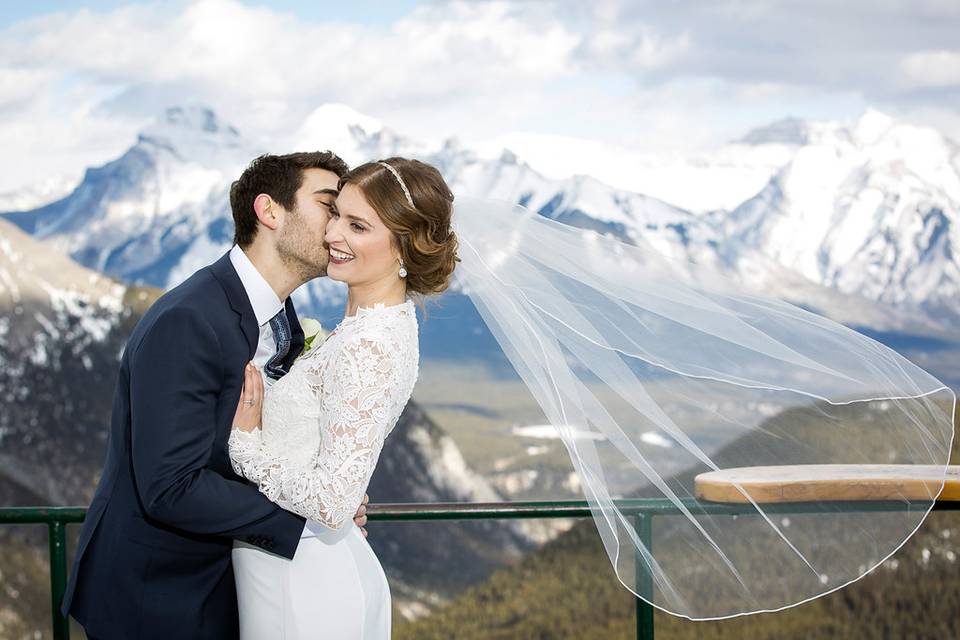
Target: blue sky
16,11
78,80
361,11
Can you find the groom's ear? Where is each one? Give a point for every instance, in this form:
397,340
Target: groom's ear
266,210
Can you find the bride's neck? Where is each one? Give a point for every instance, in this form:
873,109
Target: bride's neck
369,294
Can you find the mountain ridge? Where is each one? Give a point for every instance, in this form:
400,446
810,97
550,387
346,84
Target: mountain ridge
158,213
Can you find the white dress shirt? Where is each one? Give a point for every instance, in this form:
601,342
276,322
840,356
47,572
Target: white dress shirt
266,304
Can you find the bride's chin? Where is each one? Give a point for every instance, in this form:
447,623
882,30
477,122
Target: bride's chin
336,272
333,275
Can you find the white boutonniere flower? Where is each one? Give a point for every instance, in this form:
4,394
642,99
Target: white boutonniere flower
311,329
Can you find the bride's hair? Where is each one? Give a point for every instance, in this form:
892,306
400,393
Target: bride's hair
427,244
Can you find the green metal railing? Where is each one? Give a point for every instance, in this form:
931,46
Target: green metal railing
56,519
642,511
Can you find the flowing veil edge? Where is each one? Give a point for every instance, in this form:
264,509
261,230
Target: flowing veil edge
653,369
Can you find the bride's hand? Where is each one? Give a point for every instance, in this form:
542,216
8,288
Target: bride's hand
360,519
250,407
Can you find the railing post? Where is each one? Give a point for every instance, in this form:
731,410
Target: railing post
644,580
58,577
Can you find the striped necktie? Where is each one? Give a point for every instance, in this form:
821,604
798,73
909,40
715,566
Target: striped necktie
281,333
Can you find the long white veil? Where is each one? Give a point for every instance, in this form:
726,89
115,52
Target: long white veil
654,370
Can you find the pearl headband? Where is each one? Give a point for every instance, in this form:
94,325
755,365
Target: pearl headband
396,174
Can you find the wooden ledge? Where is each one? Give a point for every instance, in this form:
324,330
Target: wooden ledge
804,483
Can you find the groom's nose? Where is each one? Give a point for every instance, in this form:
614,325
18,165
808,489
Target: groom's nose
330,233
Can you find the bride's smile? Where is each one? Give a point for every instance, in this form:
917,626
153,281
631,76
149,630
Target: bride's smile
340,257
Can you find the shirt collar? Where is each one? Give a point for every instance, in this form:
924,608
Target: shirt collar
263,298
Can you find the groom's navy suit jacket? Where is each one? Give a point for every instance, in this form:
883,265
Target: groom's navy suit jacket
153,559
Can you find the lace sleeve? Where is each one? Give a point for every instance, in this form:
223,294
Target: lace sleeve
360,398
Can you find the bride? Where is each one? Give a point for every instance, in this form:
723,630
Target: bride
312,440
645,365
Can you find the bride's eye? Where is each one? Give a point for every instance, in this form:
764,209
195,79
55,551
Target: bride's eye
357,226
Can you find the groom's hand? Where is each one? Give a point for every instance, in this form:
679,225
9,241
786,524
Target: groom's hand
361,517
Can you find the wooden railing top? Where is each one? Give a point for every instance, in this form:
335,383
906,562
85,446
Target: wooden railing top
834,482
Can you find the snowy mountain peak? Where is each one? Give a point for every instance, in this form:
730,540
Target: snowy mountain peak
334,116
508,157
869,208
197,118
353,136
195,136
871,126
166,189
187,128
790,131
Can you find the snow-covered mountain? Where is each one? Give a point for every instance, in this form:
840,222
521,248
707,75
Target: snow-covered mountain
136,218
858,222
698,182
355,137
161,211
871,209
38,193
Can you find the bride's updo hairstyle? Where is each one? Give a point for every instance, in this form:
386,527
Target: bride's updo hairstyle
422,231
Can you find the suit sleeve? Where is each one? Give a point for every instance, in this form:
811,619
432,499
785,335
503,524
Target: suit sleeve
175,385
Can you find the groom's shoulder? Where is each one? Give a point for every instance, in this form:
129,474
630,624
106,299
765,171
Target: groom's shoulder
197,288
200,291
200,296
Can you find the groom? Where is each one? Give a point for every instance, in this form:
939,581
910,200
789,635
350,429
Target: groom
153,559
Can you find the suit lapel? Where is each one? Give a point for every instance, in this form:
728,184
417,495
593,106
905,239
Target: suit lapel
227,276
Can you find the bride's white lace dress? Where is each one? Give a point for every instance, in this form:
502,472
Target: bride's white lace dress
324,425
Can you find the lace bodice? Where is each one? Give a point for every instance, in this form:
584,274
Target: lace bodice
324,423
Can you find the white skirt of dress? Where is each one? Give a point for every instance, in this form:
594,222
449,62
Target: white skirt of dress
333,588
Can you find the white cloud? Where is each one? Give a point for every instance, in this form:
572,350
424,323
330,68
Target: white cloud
75,87
257,53
939,68
821,43
266,70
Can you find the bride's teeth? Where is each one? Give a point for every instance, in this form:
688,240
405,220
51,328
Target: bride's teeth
340,255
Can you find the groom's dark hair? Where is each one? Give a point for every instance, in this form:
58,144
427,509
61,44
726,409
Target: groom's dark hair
279,177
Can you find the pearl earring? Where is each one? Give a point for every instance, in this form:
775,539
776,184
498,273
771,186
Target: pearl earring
403,270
